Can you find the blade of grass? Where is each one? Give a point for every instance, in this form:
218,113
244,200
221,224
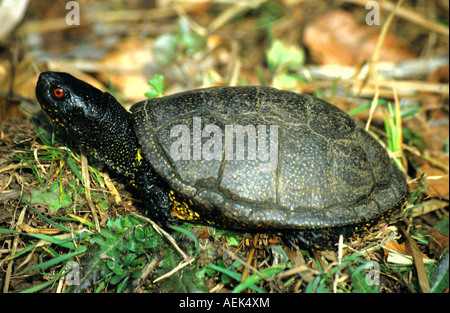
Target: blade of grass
35,171
234,275
56,260
66,243
83,221
39,287
189,234
253,279
73,167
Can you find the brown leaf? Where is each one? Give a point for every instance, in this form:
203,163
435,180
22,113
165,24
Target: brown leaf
438,242
9,109
337,38
437,181
401,248
127,63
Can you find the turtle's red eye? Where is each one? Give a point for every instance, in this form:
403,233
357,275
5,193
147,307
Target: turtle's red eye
58,92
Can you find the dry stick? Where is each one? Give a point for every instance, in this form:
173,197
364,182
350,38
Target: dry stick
375,58
236,69
250,258
109,184
340,254
13,251
176,269
7,183
221,20
418,262
162,232
88,18
416,18
234,256
146,271
408,14
192,24
87,186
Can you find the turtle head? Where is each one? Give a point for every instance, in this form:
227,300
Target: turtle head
91,117
81,109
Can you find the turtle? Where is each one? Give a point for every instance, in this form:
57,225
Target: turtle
249,158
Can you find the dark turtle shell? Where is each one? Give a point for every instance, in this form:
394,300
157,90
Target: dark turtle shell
296,162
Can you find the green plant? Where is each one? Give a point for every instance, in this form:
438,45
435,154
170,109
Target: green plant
170,47
157,87
118,252
283,61
393,126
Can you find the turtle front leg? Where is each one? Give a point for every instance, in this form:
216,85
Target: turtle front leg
154,193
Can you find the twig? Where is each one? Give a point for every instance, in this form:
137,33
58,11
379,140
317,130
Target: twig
418,262
234,256
340,254
375,58
408,14
87,186
147,270
13,251
173,271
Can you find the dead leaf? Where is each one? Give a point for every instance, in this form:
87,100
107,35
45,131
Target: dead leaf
337,38
402,249
126,65
437,181
428,206
438,242
9,109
